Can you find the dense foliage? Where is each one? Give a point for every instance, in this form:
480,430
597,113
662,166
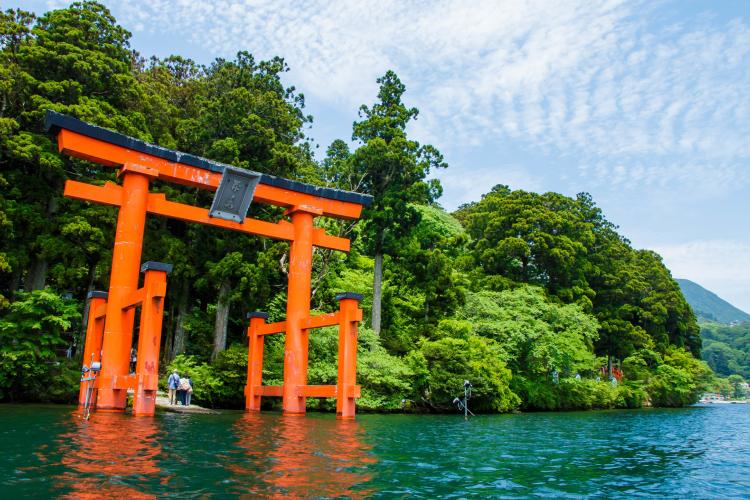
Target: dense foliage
725,332
33,361
535,298
726,348
567,246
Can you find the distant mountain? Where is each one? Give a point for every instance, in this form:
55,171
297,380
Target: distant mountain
710,307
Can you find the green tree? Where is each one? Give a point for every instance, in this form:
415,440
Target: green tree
244,116
532,238
443,365
727,348
75,60
567,246
32,330
236,279
392,168
680,380
538,336
737,383
424,283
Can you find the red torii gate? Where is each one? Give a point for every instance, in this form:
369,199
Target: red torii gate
109,333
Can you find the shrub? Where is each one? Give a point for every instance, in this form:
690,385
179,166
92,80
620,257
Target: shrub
631,395
568,394
33,329
680,380
385,378
640,364
444,365
535,394
230,368
206,383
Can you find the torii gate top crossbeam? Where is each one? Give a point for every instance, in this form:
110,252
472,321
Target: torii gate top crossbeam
86,141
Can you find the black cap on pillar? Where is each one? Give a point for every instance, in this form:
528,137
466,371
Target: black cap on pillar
156,266
349,295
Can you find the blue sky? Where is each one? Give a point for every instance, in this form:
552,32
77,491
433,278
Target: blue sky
643,104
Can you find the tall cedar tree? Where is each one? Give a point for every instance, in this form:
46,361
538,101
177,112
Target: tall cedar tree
76,61
393,169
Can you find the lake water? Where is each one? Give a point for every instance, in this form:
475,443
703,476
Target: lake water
692,452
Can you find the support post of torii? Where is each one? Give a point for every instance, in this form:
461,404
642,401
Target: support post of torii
297,308
345,390
126,263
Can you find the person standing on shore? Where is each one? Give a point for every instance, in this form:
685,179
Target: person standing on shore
172,382
189,391
182,389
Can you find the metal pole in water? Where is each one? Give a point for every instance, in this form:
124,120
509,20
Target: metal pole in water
466,401
463,404
89,392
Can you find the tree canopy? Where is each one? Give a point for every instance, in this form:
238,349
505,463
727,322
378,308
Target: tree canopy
566,246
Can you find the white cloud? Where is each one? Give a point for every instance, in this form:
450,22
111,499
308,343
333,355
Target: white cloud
701,180
464,185
601,81
722,266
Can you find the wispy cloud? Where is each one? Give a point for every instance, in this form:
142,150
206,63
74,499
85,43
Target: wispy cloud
470,184
702,180
609,83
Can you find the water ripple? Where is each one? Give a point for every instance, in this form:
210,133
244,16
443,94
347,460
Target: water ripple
693,452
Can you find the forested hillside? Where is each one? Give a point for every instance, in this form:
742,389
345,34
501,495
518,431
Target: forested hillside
533,297
710,307
725,331
727,348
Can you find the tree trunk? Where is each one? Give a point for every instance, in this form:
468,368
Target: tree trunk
222,320
168,328
37,276
377,292
15,280
82,333
91,277
183,303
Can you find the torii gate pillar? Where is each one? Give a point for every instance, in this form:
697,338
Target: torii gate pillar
126,262
298,309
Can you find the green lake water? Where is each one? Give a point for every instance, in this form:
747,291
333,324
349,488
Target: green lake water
686,453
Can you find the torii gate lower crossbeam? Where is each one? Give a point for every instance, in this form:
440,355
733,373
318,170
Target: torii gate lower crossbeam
112,314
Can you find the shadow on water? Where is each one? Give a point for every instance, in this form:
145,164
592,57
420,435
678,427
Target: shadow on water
121,456
108,455
311,456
